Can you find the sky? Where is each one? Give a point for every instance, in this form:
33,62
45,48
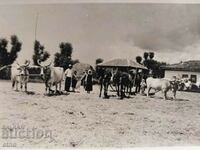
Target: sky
106,30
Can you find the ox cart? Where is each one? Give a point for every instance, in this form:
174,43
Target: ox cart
120,75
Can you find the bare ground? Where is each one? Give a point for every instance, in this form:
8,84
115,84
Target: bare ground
85,120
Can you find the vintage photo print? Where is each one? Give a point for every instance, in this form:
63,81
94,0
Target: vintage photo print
99,74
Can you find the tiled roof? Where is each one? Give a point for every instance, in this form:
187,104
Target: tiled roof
122,63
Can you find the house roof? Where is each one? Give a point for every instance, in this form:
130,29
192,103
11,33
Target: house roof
122,63
192,65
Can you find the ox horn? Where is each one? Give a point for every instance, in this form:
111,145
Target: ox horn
49,64
39,63
27,63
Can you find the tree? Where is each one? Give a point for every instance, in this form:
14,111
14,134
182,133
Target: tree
3,52
15,48
97,69
146,61
138,59
151,55
39,53
152,64
98,61
63,59
75,61
146,55
8,57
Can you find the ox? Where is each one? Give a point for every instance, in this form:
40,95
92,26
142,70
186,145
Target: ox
104,80
123,82
20,74
52,76
163,85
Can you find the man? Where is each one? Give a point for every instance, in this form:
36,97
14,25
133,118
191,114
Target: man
68,79
83,78
74,81
138,81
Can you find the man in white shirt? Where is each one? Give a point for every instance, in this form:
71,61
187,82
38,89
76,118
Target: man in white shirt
68,78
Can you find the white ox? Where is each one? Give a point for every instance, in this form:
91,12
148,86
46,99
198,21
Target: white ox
198,84
52,76
163,85
20,74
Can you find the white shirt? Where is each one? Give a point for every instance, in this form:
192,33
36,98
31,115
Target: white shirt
68,73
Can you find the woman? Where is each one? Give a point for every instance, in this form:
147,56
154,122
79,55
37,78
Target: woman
83,78
74,81
88,81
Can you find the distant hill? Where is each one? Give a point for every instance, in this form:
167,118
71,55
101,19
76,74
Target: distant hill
192,65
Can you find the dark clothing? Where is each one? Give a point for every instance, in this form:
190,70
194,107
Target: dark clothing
67,83
74,81
138,83
83,80
137,88
106,83
124,81
88,82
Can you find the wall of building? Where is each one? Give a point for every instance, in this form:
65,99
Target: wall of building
170,74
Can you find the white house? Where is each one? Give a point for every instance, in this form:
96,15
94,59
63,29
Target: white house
188,69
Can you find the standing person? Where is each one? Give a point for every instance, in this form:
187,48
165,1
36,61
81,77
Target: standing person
138,82
88,82
74,80
83,78
68,78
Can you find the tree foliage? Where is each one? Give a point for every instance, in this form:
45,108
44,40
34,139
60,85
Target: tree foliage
98,61
64,57
39,53
138,59
151,55
97,69
8,57
146,55
75,61
151,64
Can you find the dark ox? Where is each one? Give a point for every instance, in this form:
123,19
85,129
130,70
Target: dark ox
20,74
52,76
163,85
123,83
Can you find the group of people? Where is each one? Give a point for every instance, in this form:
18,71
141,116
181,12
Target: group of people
71,80
124,81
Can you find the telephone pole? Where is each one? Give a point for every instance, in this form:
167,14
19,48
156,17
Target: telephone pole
36,25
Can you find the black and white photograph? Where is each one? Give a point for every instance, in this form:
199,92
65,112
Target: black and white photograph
99,74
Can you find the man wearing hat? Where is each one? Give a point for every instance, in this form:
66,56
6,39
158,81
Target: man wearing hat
68,78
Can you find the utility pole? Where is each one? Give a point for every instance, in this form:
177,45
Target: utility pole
36,24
